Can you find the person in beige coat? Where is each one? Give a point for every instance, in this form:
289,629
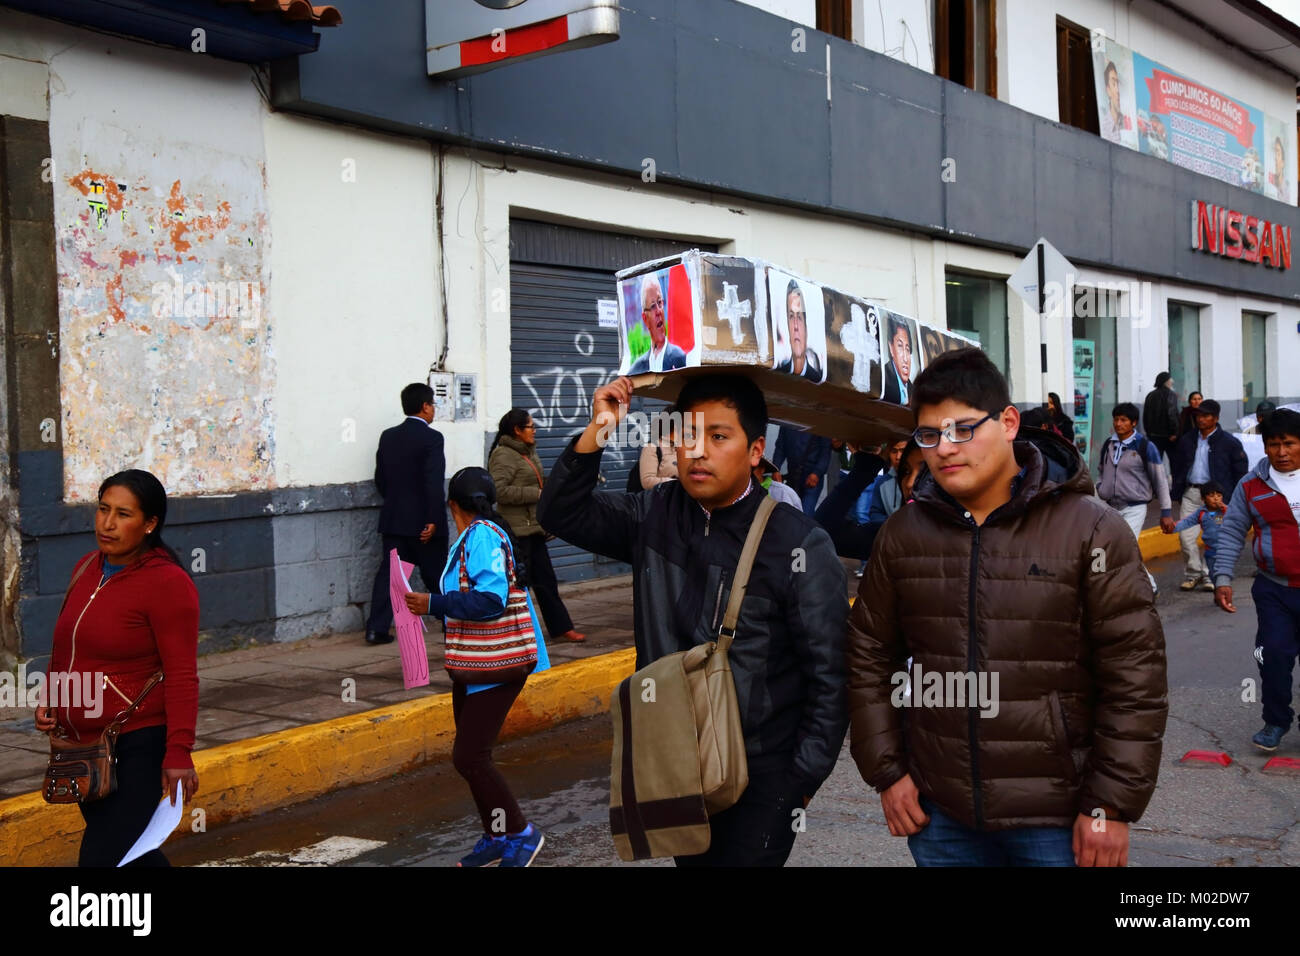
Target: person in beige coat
658,461
516,471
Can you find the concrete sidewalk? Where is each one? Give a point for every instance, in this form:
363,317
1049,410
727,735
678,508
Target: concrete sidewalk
275,687
277,725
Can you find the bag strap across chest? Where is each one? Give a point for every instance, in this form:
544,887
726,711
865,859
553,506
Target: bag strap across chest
727,632
505,548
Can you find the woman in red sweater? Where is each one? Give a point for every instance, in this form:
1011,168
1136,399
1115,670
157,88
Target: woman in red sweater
131,611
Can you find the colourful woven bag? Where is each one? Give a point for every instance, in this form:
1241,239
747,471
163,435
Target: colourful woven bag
498,651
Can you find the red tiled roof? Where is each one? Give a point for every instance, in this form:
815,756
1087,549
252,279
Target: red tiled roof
321,16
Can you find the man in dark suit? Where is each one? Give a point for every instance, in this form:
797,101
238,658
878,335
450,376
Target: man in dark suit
409,466
663,355
803,360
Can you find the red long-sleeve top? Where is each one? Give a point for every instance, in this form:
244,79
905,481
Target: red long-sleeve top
143,619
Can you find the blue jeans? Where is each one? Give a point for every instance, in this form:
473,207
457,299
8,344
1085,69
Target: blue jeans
809,497
945,842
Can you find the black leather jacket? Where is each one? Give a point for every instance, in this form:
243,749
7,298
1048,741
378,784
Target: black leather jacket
788,655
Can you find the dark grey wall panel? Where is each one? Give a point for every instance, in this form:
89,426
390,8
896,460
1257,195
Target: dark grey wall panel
993,197
1140,185
777,142
877,131
238,588
627,90
711,90
1065,167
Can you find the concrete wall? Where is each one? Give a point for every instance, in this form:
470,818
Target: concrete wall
872,145
356,285
799,11
160,204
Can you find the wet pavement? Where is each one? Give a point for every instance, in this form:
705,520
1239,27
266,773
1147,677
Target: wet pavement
1233,816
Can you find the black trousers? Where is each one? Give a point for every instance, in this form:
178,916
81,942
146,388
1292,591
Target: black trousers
478,718
541,578
429,557
116,822
759,830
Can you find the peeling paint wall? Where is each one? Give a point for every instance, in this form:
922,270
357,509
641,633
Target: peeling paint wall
162,253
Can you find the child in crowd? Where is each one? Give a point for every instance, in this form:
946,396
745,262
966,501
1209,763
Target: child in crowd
1209,519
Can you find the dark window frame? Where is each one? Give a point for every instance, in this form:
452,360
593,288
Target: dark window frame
943,58
836,18
1075,107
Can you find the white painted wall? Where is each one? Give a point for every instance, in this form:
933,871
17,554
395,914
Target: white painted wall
355,273
26,43
906,273
903,29
1148,28
799,11
1144,348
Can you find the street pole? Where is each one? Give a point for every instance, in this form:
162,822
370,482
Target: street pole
1042,316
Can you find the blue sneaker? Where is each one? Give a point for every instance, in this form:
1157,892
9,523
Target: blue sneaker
522,848
487,852
1268,738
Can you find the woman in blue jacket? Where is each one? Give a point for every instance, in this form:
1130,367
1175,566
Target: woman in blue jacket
480,710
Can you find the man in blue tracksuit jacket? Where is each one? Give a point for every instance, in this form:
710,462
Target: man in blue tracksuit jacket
1268,500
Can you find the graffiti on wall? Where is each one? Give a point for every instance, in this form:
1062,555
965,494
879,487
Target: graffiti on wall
165,359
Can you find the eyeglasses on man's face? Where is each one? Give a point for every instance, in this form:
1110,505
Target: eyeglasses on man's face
956,432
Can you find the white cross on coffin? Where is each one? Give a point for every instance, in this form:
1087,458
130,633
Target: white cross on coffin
733,310
862,337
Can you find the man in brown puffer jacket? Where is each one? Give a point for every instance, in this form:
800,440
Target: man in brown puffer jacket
1033,727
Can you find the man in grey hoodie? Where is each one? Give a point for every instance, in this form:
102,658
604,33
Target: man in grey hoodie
1130,474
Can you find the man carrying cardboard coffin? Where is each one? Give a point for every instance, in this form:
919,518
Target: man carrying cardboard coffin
683,539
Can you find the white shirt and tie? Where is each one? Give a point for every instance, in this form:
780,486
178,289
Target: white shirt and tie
657,358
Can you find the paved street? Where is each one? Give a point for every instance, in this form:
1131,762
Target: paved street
1234,816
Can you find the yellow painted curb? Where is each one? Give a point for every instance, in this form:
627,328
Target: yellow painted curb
241,779
1154,543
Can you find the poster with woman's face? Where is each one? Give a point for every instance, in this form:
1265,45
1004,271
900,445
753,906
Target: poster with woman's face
1279,171
798,326
852,343
901,356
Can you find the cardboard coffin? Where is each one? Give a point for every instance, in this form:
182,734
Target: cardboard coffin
822,357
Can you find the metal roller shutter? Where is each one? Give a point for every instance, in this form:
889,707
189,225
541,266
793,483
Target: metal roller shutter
559,355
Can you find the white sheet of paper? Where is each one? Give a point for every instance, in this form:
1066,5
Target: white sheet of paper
607,313
164,821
